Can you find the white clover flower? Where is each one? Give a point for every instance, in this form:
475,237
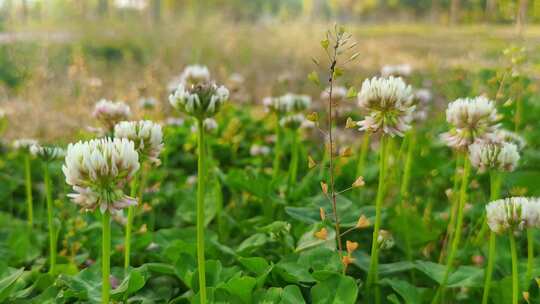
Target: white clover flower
47,153
388,104
295,102
472,120
276,105
174,121
258,150
339,93
147,103
201,101
502,135
293,121
423,96
24,144
494,156
110,113
146,135
2,114
98,170
210,125
513,214
194,74
402,70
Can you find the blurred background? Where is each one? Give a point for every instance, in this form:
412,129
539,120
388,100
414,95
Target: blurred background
58,57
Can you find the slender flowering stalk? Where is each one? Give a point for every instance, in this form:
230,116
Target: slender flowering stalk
293,123
106,256
453,204
495,185
388,105
148,139
278,107
201,181
47,155
98,170
24,145
202,100
404,190
530,256
374,260
109,113
364,149
515,274
459,225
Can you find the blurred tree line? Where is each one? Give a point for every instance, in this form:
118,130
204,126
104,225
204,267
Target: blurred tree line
436,11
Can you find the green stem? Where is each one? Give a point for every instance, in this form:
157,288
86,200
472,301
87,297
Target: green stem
495,186
129,225
411,142
364,148
105,257
293,166
489,269
530,256
277,149
374,260
454,206
28,184
52,230
200,213
515,277
459,225
410,139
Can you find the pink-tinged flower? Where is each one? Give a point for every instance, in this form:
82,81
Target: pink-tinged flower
513,214
473,120
98,170
110,113
146,135
387,104
494,156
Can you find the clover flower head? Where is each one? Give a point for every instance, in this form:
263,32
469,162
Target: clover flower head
513,214
472,120
173,121
259,150
388,105
146,135
202,100
46,153
293,121
24,144
494,156
98,170
110,113
421,99
339,93
502,135
276,105
399,70
195,74
295,102
210,125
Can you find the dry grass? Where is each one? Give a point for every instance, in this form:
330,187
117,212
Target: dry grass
56,100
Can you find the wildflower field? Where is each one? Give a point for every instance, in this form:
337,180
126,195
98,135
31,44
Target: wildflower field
208,160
